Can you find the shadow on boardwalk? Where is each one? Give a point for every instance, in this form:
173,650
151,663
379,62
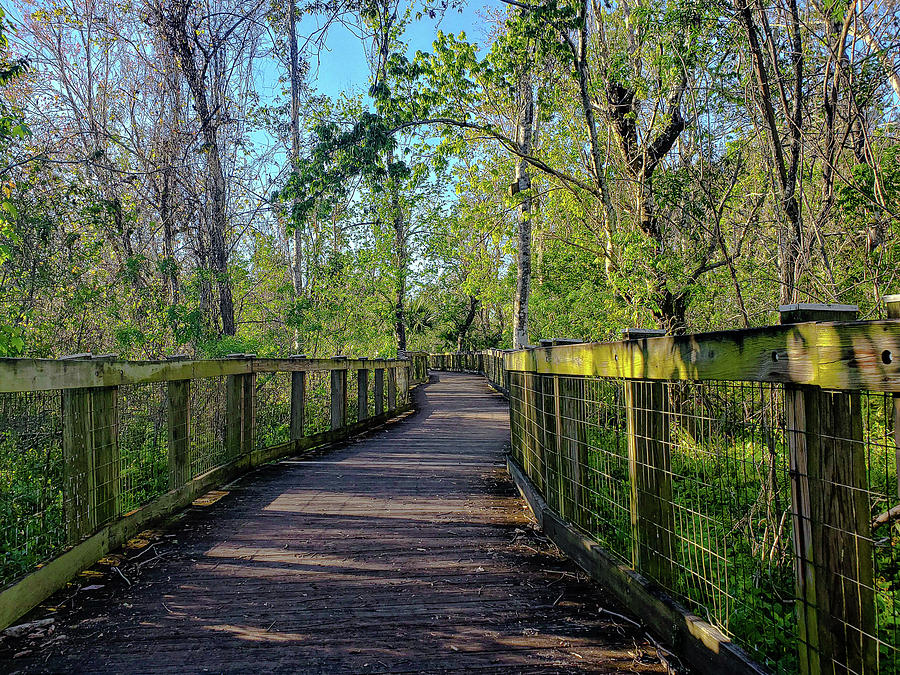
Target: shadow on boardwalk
405,551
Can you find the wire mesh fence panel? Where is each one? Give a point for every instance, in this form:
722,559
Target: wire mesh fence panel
207,425
731,550
143,443
872,637
605,478
318,402
273,409
32,499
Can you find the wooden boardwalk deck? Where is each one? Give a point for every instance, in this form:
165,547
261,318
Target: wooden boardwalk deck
405,551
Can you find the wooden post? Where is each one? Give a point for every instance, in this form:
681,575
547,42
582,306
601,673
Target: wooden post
831,531
392,389
362,394
338,398
378,391
179,422
298,401
78,464
90,421
107,472
893,312
650,473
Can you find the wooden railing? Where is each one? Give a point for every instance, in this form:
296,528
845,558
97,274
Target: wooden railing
738,490
418,373
92,449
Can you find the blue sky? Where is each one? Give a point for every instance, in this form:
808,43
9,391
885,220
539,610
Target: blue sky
341,66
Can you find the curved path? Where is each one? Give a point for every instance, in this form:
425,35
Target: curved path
405,551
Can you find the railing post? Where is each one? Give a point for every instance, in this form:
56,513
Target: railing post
298,401
831,531
78,461
234,412
179,423
402,385
378,391
392,388
551,438
338,396
91,451
362,394
650,473
248,437
893,312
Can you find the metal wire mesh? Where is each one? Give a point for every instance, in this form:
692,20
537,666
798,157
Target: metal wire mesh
318,401
881,423
32,526
692,483
143,443
207,425
273,409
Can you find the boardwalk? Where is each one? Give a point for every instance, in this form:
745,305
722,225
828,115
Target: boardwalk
406,551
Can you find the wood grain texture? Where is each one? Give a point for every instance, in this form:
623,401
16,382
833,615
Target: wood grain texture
48,374
408,551
862,355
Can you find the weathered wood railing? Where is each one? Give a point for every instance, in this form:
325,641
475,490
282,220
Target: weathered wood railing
488,362
92,449
738,490
418,372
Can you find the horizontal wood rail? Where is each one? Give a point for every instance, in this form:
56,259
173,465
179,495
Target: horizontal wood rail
125,443
853,355
48,374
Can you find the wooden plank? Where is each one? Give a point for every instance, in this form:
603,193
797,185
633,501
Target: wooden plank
402,385
860,355
378,391
362,394
551,439
650,474
831,532
78,464
179,424
50,374
298,403
319,365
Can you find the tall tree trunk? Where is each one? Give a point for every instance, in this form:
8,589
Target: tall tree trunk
297,261
467,323
399,224
173,19
524,129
